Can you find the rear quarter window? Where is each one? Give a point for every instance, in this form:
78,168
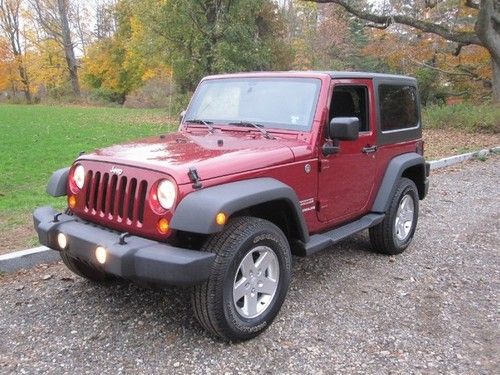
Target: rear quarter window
398,107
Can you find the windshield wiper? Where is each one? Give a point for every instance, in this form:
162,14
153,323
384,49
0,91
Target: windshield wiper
259,127
203,122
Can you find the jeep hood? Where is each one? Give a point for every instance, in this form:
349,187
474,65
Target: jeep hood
213,155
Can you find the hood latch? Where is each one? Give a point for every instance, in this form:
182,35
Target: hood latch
194,178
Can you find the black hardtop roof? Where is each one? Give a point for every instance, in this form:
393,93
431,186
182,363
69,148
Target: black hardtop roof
346,74
302,73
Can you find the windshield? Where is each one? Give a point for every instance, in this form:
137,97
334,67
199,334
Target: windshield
284,103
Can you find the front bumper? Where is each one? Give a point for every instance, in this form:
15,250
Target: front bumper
137,259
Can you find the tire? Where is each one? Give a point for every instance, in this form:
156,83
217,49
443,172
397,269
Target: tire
83,269
395,233
245,243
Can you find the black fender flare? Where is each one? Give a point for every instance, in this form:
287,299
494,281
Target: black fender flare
197,211
58,182
393,173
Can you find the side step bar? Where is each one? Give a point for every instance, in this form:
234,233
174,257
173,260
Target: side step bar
321,241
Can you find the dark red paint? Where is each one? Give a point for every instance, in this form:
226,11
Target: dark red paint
337,188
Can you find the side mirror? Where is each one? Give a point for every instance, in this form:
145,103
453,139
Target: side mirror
344,128
181,116
340,129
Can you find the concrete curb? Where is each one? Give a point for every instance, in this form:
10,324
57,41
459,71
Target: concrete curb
18,260
446,162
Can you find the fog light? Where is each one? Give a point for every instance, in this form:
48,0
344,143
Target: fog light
62,241
100,254
163,226
220,218
72,201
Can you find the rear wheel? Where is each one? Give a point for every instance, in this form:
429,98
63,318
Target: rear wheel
248,282
395,233
83,269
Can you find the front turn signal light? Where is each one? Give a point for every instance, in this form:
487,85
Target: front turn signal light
163,226
72,201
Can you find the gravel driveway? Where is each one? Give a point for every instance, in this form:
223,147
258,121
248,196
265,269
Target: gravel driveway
433,309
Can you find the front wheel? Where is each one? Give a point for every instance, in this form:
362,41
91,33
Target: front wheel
395,233
248,282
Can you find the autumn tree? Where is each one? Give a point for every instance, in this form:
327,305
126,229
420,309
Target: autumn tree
10,25
322,38
121,59
53,17
484,32
201,37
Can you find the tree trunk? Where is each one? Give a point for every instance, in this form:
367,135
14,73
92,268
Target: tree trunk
487,29
495,80
72,68
26,83
69,52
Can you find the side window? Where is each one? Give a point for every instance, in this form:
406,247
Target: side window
398,107
351,101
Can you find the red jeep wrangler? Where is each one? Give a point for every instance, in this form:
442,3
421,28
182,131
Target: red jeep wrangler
264,165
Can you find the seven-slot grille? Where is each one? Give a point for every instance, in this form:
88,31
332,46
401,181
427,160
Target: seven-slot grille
116,198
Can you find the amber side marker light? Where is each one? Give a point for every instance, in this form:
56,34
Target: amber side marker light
163,226
72,201
221,218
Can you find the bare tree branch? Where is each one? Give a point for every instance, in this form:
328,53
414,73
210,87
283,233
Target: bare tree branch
53,17
458,50
47,19
464,72
463,37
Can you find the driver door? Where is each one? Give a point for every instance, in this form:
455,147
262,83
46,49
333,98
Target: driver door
346,178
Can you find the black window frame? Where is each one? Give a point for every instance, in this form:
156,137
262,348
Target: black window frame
398,135
396,87
367,102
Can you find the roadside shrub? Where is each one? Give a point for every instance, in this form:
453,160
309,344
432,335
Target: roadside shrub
158,93
153,94
104,96
471,118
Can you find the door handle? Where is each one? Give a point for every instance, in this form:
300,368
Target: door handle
369,149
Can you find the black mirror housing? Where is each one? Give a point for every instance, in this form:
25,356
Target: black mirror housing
344,128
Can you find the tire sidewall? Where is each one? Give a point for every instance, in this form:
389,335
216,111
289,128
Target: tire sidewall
407,188
250,327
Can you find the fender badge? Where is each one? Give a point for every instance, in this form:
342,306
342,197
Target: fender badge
116,171
307,168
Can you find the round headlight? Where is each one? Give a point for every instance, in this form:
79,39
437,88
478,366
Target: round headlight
167,193
79,176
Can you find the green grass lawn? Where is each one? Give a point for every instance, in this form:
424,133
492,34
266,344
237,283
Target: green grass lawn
37,140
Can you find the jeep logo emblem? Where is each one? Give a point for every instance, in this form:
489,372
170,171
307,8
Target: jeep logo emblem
116,171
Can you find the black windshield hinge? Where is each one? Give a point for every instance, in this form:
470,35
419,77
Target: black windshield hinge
194,178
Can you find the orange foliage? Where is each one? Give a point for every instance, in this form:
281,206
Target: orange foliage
8,73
